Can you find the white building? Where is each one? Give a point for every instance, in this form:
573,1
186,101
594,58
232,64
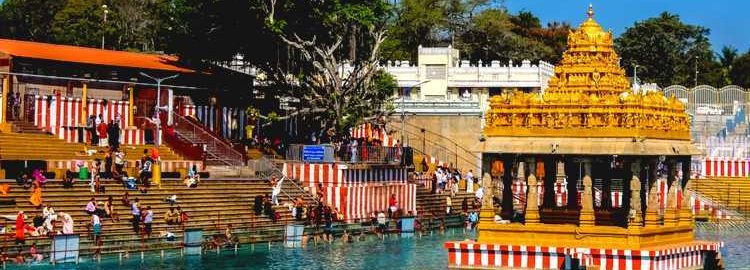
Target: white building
441,83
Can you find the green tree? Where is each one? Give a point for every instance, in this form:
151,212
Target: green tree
428,23
28,19
80,22
494,34
669,51
140,25
338,96
740,73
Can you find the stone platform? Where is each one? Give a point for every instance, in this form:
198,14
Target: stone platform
474,255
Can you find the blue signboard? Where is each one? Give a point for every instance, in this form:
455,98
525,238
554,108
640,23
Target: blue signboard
313,153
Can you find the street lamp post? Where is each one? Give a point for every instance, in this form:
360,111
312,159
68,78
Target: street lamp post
158,103
156,167
104,25
403,110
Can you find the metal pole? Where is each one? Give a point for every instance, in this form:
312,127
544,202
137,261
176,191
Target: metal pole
104,7
158,110
403,116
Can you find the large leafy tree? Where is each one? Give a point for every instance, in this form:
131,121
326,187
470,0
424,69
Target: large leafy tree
29,19
428,23
740,72
79,22
337,45
494,34
140,25
323,53
669,51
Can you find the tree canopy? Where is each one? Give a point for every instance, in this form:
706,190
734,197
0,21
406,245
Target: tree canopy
669,52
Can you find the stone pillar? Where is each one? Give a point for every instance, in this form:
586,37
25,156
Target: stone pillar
652,207
487,213
5,99
671,214
84,104
586,216
686,209
635,218
532,199
520,176
131,106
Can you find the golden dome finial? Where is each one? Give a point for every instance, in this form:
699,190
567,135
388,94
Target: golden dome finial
590,13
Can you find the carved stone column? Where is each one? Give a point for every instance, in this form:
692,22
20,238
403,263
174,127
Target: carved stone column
686,209
487,213
532,205
635,218
671,213
587,217
652,207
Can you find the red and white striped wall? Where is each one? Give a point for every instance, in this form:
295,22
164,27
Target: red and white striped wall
360,201
726,167
369,131
187,110
332,174
483,255
166,165
326,174
62,116
127,136
66,112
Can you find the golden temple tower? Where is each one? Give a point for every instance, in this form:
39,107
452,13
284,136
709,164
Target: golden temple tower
578,167
589,96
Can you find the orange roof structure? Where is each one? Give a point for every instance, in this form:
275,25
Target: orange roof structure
84,55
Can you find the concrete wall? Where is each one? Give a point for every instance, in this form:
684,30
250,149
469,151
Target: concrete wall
445,136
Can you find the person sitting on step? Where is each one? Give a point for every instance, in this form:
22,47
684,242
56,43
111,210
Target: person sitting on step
172,217
67,180
171,199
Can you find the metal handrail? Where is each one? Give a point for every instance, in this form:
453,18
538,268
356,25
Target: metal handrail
226,153
439,136
458,157
268,169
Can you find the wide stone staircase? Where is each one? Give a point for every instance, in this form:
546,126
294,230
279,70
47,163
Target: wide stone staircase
431,207
33,146
212,206
26,127
733,193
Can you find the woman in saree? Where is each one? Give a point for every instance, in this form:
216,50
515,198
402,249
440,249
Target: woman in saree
36,194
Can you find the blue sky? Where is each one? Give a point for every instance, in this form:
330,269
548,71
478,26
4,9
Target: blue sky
728,20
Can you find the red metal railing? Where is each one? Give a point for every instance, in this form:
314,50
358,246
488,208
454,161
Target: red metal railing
188,150
222,150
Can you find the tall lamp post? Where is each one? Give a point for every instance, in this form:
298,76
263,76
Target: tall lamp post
104,25
156,170
158,107
403,111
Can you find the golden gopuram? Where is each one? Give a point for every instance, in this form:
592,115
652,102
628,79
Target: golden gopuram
589,173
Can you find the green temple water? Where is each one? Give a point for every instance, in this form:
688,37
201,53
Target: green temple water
394,252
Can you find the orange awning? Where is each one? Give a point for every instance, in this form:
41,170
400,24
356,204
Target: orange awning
85,55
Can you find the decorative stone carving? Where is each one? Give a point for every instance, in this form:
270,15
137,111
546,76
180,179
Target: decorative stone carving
589,92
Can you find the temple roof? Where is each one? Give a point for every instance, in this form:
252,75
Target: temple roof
93,56
588,97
